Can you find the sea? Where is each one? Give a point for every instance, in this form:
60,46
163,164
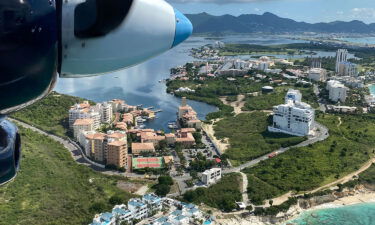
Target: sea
360,214
372,89
140,85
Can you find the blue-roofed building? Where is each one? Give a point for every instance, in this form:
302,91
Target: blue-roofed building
193,212
180,220
104,219
177,213
138,208
161,221
122,213
154,201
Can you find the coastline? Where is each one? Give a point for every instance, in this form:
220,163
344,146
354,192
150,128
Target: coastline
361,196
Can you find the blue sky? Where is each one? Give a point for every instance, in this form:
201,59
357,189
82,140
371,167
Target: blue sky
300,10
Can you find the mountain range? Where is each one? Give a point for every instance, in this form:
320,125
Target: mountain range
271,23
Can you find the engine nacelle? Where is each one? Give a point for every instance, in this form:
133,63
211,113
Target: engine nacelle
40,39
10,151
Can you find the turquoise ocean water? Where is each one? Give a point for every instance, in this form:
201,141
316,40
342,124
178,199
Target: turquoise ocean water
361,214
372,89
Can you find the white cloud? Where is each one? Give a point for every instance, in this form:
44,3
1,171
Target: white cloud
257,10
363,13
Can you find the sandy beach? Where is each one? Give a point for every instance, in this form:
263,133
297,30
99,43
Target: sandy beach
295,211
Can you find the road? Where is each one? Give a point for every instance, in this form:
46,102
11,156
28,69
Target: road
322,134
322,106
74,150
245,182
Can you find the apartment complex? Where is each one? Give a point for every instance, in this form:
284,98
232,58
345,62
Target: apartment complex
187,116
211,176
176,212
341,56
84,111
117,152
83,125
294,117
139,148
348,69
337,91
317,74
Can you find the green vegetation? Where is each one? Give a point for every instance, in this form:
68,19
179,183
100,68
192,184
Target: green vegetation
349,146
267,101
247,49
249,138
368,177
53,189
222,195
260,190
49,114
163,187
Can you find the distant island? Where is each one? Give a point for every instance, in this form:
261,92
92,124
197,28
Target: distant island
271,23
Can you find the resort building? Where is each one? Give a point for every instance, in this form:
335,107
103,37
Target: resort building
151,137
153,201
117,154
117,105
294,117
138,208
187,116
318,74
122,213
95,146
211,176
84,111
82,125
139,148
348,69
104,218
341,56
176,212
337,91
106,112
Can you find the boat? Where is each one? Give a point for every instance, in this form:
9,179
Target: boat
172,126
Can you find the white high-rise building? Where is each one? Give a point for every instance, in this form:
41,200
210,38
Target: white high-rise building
211,176
294,117
337,91
341,56
106,112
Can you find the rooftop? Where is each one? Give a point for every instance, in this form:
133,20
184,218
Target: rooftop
117,143
83,122
142,146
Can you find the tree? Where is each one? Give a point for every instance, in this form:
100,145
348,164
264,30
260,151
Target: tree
97,207
270,202
167,180
116,200
162,189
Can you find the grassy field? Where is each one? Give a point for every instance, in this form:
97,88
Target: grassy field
222,195
50,114
53,189
349,146
249,138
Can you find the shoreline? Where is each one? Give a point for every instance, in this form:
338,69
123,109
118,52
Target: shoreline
357,199
363,196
